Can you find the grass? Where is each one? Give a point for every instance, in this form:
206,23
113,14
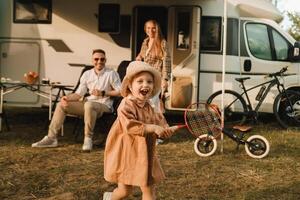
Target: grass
67,173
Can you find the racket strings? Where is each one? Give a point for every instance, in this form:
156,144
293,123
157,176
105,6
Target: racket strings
214,123
203,121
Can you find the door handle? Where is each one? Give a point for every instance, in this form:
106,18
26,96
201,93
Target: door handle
247,65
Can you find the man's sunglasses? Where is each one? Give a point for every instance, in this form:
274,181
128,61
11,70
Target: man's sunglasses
101,59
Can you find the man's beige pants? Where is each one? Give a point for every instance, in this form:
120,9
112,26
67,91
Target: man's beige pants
89,110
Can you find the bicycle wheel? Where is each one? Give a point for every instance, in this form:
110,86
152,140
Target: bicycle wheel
257,146
205,145
235,108
287,109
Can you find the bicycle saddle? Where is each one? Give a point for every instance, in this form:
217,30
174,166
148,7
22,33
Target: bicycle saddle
242,79
242,128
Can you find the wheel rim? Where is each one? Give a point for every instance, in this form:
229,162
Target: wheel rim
234,107
205,145
290,113
257,147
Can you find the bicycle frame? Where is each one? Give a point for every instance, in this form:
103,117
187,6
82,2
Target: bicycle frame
239,139
233,136
271,83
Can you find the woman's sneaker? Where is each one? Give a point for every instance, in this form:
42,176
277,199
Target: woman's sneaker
107,195
45,142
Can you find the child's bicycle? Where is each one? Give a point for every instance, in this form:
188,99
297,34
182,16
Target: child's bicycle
204,122
256,146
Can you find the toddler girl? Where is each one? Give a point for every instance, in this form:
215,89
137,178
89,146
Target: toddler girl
130,157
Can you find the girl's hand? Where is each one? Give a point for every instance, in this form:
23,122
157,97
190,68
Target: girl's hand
159,131
168,132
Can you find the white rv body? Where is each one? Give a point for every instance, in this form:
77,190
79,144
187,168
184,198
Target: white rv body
58,50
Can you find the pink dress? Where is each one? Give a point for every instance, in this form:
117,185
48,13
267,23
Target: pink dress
130,155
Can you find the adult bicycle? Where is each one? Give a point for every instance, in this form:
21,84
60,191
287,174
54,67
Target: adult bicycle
238,107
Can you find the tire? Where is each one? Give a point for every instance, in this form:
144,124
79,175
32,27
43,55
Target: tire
257,146
235,107
205,145
287,115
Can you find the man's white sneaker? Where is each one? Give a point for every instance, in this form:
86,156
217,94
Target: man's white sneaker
107,195
45,142
87,144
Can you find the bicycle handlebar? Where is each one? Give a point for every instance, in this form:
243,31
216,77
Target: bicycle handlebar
280,73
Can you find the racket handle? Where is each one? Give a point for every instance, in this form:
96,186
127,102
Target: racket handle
175,128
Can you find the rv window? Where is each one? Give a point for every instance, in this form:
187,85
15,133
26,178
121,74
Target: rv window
183,30
109,18
211,34
32,11
266,43
258,41
281,46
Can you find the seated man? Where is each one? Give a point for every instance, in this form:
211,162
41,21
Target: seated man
101,82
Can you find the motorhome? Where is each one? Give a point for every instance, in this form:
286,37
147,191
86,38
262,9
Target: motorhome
55,38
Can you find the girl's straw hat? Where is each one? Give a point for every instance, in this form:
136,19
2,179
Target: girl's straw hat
136,67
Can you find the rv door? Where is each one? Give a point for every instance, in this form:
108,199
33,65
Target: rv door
184,44
265,48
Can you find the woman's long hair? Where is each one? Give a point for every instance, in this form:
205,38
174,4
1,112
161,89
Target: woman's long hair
156,48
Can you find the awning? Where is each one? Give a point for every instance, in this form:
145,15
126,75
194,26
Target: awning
257,8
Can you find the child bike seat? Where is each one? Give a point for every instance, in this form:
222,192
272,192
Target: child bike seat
242,128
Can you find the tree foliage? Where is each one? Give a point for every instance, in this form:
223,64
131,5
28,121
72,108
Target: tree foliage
294,30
